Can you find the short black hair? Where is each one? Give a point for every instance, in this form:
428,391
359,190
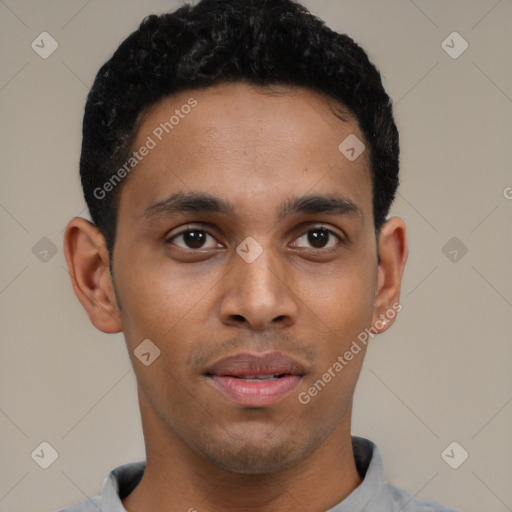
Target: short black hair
260,42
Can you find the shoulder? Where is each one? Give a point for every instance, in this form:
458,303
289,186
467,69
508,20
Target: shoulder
407,503
117,484
88,505
375,492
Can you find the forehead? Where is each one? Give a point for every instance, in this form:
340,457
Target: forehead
247,144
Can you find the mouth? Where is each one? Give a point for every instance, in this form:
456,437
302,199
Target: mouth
255,380
258,378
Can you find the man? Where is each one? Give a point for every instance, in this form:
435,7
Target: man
239,160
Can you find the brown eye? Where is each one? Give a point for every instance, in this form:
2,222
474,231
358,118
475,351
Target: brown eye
194,239
317,238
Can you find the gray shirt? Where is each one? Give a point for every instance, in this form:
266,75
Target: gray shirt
373,495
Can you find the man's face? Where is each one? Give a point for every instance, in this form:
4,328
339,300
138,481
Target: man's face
244,164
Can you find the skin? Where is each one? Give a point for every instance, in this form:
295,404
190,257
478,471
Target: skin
257,149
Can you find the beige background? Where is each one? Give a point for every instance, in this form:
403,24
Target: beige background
441,374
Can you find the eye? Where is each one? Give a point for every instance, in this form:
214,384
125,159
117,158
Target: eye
317,238
194,239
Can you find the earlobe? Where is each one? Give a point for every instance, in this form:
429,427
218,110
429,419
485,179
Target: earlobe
393,252
88,260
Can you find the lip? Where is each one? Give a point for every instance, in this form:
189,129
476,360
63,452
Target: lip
227,377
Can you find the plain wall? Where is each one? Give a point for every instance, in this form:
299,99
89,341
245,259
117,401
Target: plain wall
441,374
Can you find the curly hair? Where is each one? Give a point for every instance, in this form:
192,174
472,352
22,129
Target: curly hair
261,42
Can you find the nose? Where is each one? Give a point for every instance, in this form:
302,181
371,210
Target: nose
259,295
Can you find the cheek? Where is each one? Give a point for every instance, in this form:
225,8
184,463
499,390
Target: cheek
158,309
156,300
341,301
169,309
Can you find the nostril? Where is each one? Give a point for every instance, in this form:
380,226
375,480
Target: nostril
239,318
279,318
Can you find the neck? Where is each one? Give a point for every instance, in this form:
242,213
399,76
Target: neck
178,479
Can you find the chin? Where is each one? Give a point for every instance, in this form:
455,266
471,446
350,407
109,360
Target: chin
256,461
257,455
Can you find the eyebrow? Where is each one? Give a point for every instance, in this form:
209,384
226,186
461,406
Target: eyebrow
315,204
188,202
205,203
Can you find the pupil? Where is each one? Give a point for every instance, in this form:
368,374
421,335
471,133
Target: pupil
194,239
318,238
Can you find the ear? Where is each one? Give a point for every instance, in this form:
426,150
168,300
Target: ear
88,264
393,252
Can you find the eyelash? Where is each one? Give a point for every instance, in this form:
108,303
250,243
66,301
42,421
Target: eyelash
170,239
